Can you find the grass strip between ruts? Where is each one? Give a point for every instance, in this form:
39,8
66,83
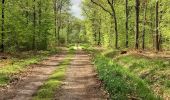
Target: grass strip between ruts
47,91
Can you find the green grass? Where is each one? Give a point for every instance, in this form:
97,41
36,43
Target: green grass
19,64
110,53
47,91
121,83
154,71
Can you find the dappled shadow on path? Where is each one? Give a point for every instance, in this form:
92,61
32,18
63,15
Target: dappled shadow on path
81,81
29,82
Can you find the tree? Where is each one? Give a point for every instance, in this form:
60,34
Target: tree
137,25
157,25
144,24
127,28
113,14
3,26
34,24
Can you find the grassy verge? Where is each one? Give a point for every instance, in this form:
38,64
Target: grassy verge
20,63
154,71
121,83
47,91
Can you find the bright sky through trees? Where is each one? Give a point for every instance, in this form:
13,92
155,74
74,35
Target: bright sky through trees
76,9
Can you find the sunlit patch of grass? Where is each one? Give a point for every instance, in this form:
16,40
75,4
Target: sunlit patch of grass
121,83
110,53
46,92
154,71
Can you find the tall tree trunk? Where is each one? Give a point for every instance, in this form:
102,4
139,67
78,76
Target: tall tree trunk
137,25
99,40
144,25
127,28
160,38
58,32
59,23
68,31
115,22
157,26
40,13
152,26
3,26
116,28
27,13
116,31
39,22
34,23
55,17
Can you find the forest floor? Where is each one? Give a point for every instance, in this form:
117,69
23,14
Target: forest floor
80,83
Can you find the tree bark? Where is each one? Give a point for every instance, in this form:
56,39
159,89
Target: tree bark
115,22
3,26
55,18
144,25
127,28
34,23
99,40
27,13
157,26
137,25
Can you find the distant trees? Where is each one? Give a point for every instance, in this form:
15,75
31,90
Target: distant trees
61,7
147,19
29,24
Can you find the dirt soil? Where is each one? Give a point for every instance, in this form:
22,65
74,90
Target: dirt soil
31,80
81,81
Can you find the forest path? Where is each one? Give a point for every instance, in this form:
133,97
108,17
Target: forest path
34,78
81,82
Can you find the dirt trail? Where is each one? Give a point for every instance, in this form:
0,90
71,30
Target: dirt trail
81,82
34,78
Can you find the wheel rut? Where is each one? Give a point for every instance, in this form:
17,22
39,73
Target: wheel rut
28,85
81,81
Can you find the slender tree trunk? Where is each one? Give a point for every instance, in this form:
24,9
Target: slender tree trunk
68,31
137,24
34,22
95,36
39,22
40,11
160,38
99,41
152,26
157,26
127,28
55,17
59,23
116,28
27,13
144,25
3,26
58,32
